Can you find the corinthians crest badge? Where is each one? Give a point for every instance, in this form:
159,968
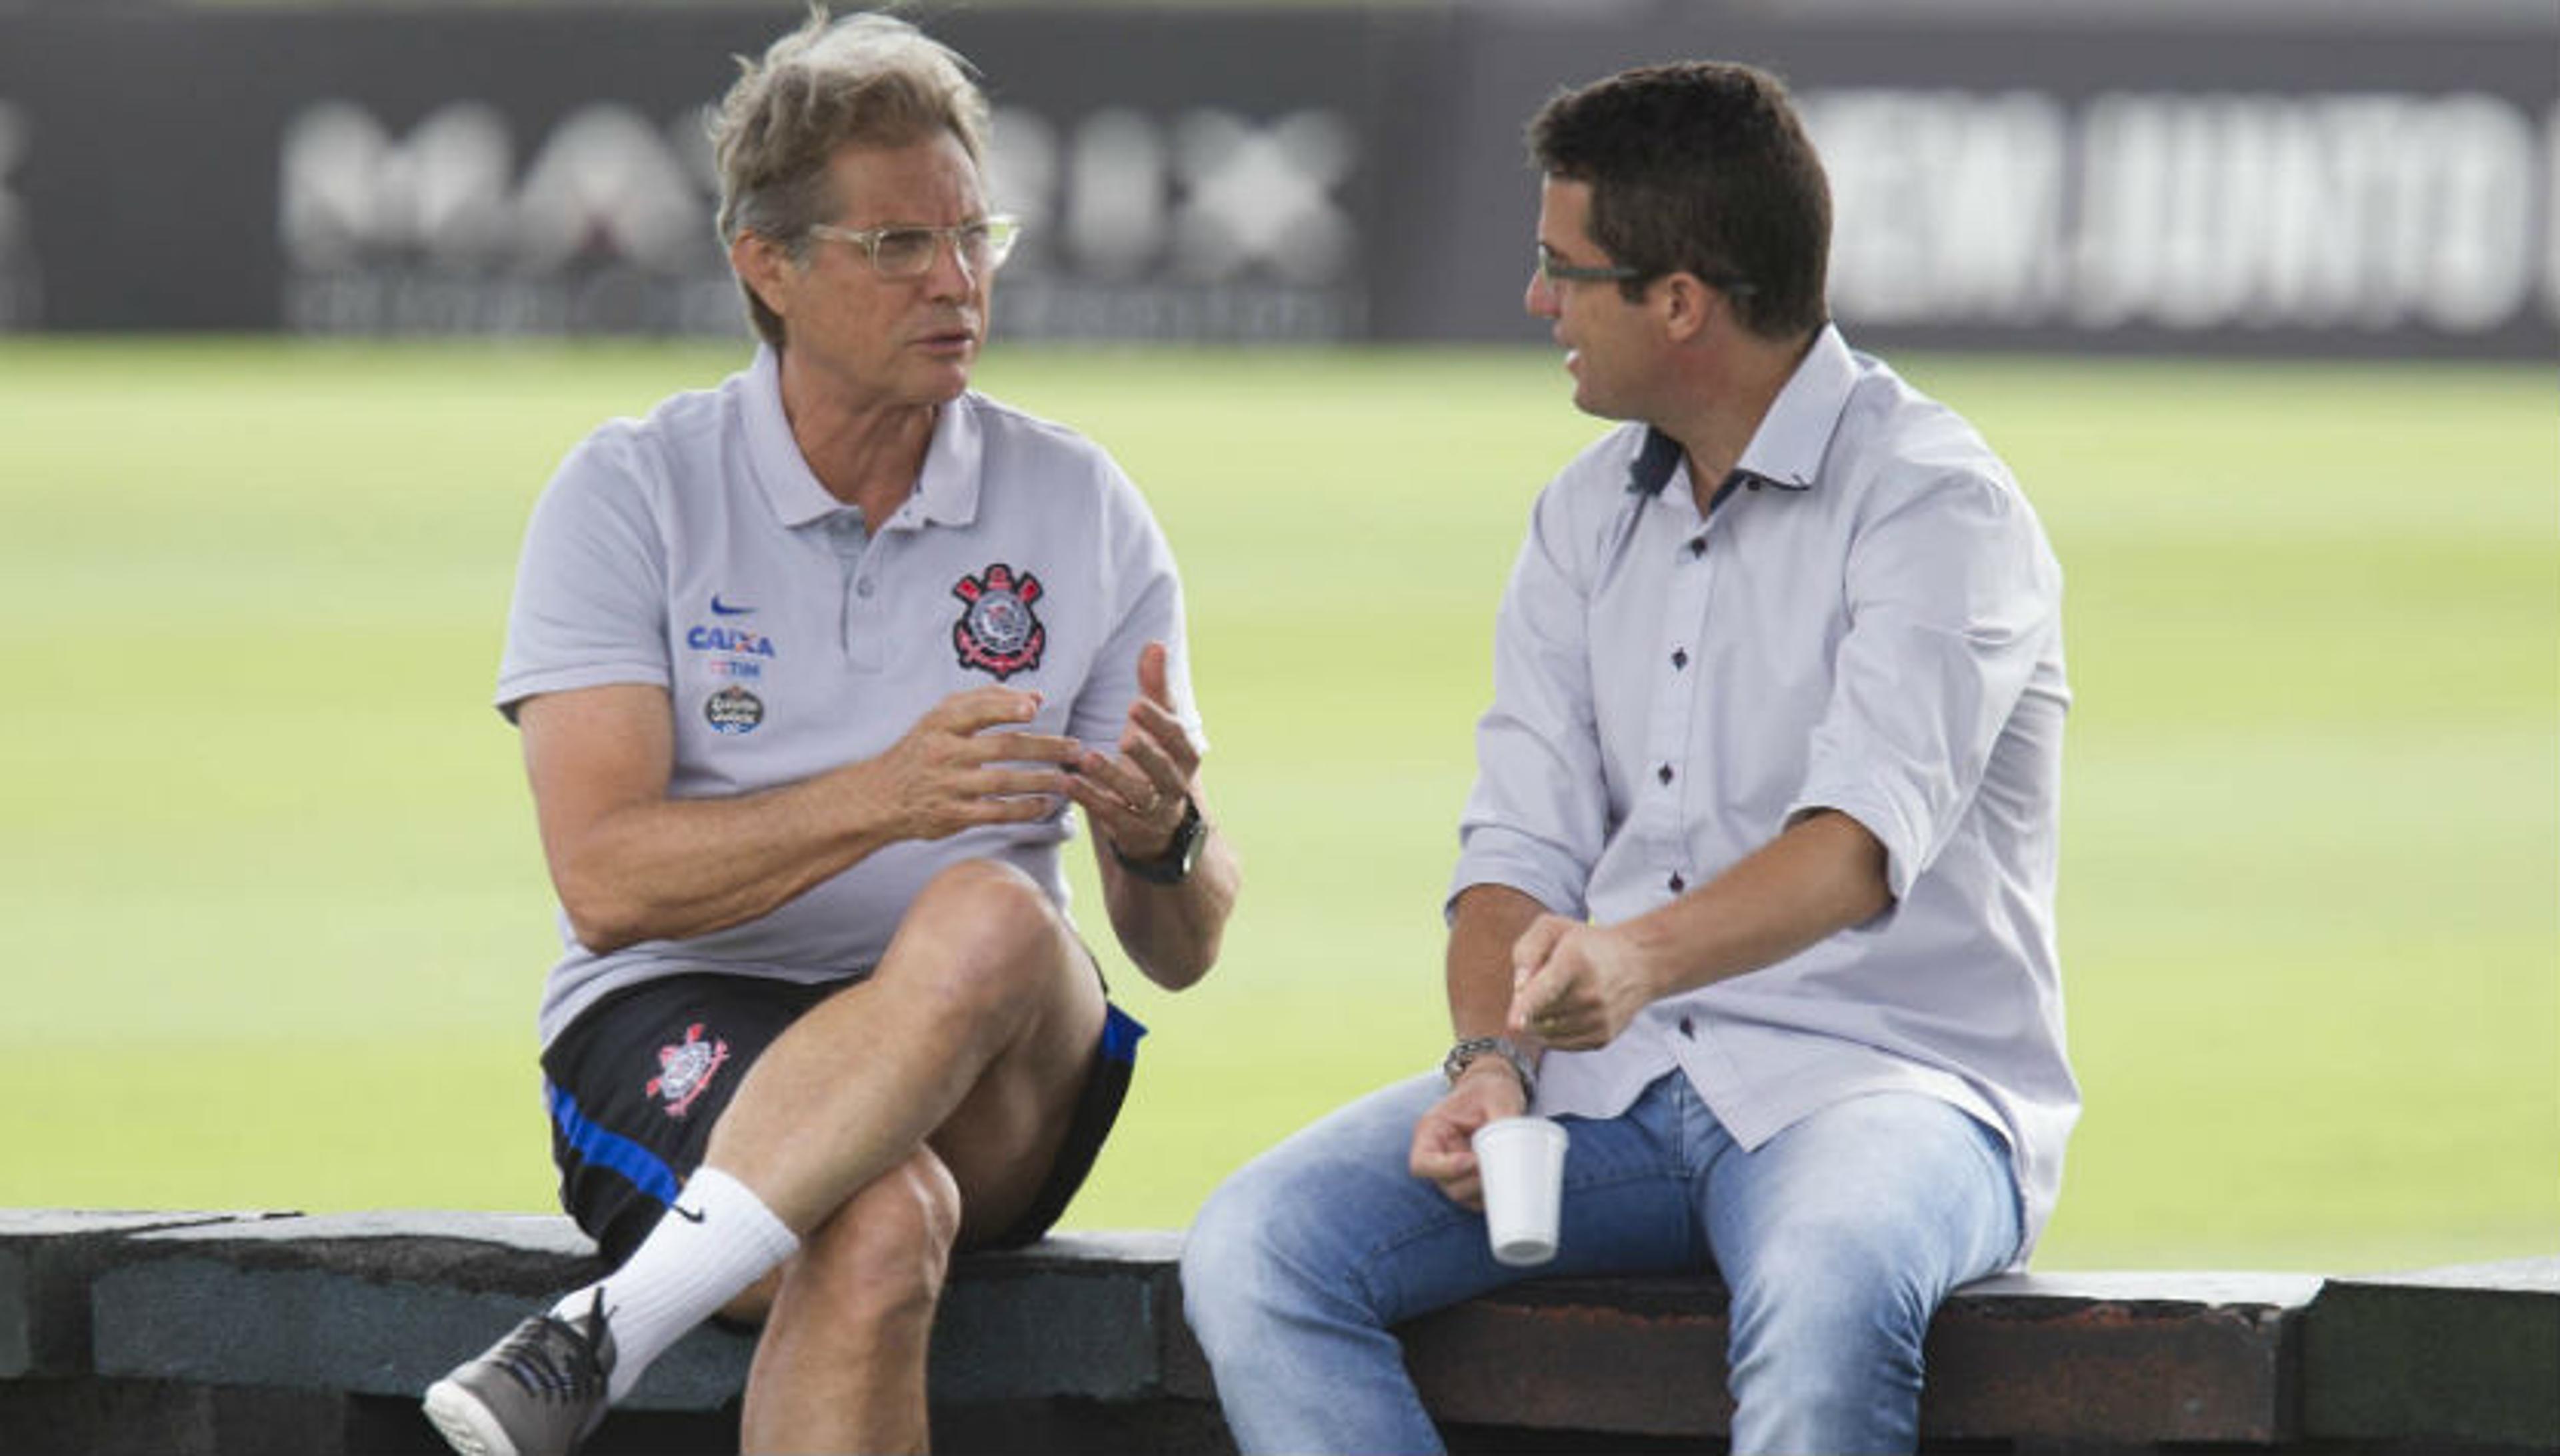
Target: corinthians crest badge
997,633
685,1069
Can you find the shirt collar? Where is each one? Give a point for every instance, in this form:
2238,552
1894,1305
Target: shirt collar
1787,449
1656,462
789,486
946,491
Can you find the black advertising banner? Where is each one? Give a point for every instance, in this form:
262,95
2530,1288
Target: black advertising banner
2072,178
2179,178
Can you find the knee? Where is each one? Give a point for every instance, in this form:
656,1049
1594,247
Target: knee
1828,1300
1827,1342
1227,1232
984,897
1321,1228
883,1255
1261,1247
1225,1260
984,925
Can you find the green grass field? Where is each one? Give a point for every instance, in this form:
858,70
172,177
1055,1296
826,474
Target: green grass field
276,920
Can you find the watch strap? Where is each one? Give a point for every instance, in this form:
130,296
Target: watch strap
1472,1048
1174,866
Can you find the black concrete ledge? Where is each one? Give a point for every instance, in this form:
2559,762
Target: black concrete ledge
215,1332
185,1332
382,1303
47,1261
2446,1358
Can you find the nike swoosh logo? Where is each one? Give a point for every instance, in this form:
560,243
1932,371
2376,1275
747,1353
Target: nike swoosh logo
680,1212
722,608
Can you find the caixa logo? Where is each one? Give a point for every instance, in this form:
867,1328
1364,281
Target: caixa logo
438,229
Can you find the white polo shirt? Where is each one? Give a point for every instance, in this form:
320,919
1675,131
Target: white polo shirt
1873,625
694,550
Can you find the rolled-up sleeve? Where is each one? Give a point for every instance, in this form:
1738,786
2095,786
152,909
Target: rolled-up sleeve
1538,816
1953,600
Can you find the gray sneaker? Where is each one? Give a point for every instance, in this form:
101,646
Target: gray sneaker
537,1392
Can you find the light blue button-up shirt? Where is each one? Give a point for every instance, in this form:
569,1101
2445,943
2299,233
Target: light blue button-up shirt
1867,619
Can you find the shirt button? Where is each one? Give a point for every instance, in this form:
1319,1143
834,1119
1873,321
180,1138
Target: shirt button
1678,883
1663,773
1698,546
1689,1028
862,587
1679,657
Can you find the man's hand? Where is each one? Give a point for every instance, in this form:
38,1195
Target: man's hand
1577,985
1442,1151
1137,797
953,771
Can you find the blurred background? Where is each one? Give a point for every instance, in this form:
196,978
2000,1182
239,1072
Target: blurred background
301,304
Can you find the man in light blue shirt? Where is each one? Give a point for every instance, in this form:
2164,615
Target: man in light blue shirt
1755,893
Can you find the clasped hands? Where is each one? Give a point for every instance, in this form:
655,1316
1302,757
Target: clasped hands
962,766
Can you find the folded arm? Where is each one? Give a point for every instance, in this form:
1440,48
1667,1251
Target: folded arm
1579,985
631,864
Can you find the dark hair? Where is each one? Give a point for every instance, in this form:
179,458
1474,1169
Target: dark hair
1699,167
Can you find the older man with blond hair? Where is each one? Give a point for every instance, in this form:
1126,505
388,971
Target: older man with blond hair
808,669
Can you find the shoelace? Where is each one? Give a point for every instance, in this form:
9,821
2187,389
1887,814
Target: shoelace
533,1356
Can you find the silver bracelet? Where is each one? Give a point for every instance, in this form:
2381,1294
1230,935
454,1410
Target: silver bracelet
1472,1048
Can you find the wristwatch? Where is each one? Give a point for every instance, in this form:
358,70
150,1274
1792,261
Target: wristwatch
1503,1047
1174,866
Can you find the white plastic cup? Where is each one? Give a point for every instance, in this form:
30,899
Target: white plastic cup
1522,1160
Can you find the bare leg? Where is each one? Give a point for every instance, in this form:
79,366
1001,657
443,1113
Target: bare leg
983,998
941,1086
857,1304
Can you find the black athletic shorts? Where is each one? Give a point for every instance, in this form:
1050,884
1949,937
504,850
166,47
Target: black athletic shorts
636,1082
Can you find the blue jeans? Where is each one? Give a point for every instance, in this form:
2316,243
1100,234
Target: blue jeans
1838,1238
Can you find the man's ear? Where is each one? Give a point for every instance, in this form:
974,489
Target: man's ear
761,264
1684,304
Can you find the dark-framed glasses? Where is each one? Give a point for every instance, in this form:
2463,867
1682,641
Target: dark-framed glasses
1556,270
901,250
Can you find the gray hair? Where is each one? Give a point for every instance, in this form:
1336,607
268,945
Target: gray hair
867,79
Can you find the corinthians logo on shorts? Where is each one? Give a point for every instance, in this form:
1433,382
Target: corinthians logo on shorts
685,1069
997,633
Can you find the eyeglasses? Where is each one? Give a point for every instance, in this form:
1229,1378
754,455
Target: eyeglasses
1555,270
903,251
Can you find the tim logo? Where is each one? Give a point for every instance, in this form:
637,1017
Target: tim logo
685,1071
998,634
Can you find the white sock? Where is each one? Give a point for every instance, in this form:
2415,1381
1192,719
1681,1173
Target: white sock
716,1239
